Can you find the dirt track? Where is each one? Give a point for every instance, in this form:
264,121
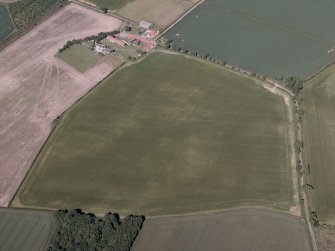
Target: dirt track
35,87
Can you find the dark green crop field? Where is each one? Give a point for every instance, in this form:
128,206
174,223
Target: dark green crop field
236,230
273,38
167,135
6,26
24,229
319,142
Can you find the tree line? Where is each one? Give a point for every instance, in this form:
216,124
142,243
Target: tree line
96,38
76,230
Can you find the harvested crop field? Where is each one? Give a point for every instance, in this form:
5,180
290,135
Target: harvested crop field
36,87
319,142
238,230
24,229
6,26
168,135
273,38
161,12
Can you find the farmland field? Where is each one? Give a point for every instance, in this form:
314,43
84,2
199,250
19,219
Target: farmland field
111,4
238,230
36,87
319,142
273,38
80,57
24,229
167,135
161,12
6,26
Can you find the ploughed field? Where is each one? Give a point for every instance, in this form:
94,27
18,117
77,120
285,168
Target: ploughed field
272,38
238,230
25,229
319,142
167,135
6,26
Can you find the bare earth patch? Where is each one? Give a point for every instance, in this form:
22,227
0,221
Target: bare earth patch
36,87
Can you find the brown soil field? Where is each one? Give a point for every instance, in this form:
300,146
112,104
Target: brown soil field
238,230
36,87
161,12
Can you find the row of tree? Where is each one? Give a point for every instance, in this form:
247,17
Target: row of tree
76,230
96,38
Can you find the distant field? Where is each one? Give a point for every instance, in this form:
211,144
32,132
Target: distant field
24,229
111,4
80,57
6,26
28,10
238,230
167,135
269,37
161,12
319,142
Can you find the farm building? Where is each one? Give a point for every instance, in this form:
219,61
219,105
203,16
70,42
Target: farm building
115,40
150,34
146,24
100,48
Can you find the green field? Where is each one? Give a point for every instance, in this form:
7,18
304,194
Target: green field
80,57
319,142
6,26
273,38
236,230
111,4
24,229
167,135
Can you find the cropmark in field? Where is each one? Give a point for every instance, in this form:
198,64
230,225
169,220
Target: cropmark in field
272,38
167,135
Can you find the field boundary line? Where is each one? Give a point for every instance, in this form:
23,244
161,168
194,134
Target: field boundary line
211,212
110,13
180,18
319,71
307,202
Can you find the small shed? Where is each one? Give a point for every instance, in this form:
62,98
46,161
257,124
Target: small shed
146,24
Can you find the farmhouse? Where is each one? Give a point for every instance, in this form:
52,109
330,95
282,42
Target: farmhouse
117,41
100,48
146,24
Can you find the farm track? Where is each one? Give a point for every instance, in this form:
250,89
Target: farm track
35,88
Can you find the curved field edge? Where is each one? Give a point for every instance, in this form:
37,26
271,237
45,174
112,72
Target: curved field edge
262,228
99,198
